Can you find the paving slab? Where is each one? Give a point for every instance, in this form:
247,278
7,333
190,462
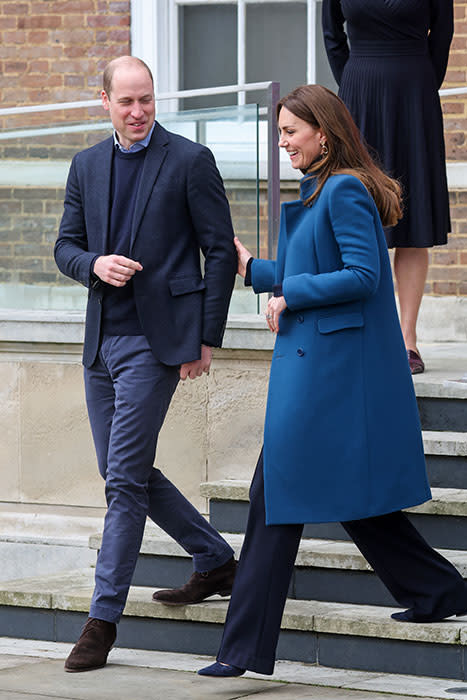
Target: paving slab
46,679
141,675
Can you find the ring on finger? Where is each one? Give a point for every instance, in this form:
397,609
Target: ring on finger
268,316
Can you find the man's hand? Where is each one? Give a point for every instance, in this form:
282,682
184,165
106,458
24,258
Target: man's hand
243,256
197,367
116,269
276,305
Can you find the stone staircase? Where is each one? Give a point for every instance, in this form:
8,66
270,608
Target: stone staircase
338,613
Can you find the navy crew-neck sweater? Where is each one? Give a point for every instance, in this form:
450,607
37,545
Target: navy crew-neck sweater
119,309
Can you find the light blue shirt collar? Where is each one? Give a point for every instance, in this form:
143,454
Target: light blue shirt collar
138,146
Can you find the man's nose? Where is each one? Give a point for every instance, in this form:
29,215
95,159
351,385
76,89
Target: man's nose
137,109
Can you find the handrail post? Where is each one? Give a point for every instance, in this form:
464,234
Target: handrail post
273,170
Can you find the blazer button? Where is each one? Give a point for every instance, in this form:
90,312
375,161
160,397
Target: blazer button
300,352
300,318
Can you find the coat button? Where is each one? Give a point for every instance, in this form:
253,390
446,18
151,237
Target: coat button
300,352
300,318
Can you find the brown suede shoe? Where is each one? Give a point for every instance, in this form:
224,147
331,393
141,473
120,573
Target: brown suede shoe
93,646
201,585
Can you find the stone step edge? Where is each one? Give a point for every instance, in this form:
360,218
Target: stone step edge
313,552
445,501
72,593
19,527
445,443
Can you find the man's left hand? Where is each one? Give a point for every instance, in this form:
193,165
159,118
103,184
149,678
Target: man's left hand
197,367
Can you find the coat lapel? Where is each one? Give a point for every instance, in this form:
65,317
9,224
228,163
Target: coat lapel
155,156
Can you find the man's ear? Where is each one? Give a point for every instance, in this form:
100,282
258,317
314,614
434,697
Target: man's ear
105,100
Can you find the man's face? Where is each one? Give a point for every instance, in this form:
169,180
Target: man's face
131,104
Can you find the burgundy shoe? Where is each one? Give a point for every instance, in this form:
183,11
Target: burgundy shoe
201,585
416,364
93,646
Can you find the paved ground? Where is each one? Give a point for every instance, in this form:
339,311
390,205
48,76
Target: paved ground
31,670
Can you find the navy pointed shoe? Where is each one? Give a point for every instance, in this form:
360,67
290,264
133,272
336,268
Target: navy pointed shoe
221,670
409,616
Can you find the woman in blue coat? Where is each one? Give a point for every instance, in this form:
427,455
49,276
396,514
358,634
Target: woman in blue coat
342,439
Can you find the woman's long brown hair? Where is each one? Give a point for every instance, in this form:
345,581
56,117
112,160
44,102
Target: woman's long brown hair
346,152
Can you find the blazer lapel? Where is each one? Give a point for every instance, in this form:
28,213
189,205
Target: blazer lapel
102,182
155,156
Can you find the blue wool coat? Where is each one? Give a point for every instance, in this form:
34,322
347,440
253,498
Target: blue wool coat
342,438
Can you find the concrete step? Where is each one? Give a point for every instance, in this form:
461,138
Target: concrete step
442,389
443,412
324,570
228,510
45,540
329,634
445,453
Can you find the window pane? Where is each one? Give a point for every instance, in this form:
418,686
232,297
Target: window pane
208,52
276,45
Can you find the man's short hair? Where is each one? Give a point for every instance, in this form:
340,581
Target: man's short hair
111,67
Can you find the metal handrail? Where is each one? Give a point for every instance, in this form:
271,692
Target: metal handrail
198,92
453,91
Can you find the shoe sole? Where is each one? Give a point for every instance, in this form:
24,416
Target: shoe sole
192,602
83,670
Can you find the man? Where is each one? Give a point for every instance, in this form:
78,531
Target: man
138,209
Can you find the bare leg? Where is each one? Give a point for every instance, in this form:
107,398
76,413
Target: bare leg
410,269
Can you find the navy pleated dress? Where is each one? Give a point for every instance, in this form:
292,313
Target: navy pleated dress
389,71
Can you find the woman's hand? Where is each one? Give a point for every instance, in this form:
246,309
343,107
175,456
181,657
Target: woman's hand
275,307
243,256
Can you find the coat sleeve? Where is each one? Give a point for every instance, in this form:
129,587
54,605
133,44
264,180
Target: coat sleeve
71,248
210,215
263,275
440,36
335,38
351,216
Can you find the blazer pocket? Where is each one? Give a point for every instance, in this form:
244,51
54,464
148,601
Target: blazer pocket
186,285
330,324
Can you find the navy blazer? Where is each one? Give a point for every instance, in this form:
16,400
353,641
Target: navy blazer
181,208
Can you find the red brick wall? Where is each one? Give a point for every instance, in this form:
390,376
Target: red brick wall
55,50
455,108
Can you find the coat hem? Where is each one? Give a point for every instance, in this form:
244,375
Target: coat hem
348,517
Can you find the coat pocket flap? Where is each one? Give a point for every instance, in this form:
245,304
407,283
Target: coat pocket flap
329,324
185,285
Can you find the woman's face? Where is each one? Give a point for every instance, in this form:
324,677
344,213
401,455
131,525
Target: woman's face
301,140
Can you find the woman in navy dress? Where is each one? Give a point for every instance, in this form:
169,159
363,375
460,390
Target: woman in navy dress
389,79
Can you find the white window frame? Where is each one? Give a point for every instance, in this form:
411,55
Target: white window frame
155,39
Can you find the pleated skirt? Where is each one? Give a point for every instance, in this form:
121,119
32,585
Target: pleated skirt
394,100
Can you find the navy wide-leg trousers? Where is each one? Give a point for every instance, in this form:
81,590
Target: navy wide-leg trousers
128,393
416,575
